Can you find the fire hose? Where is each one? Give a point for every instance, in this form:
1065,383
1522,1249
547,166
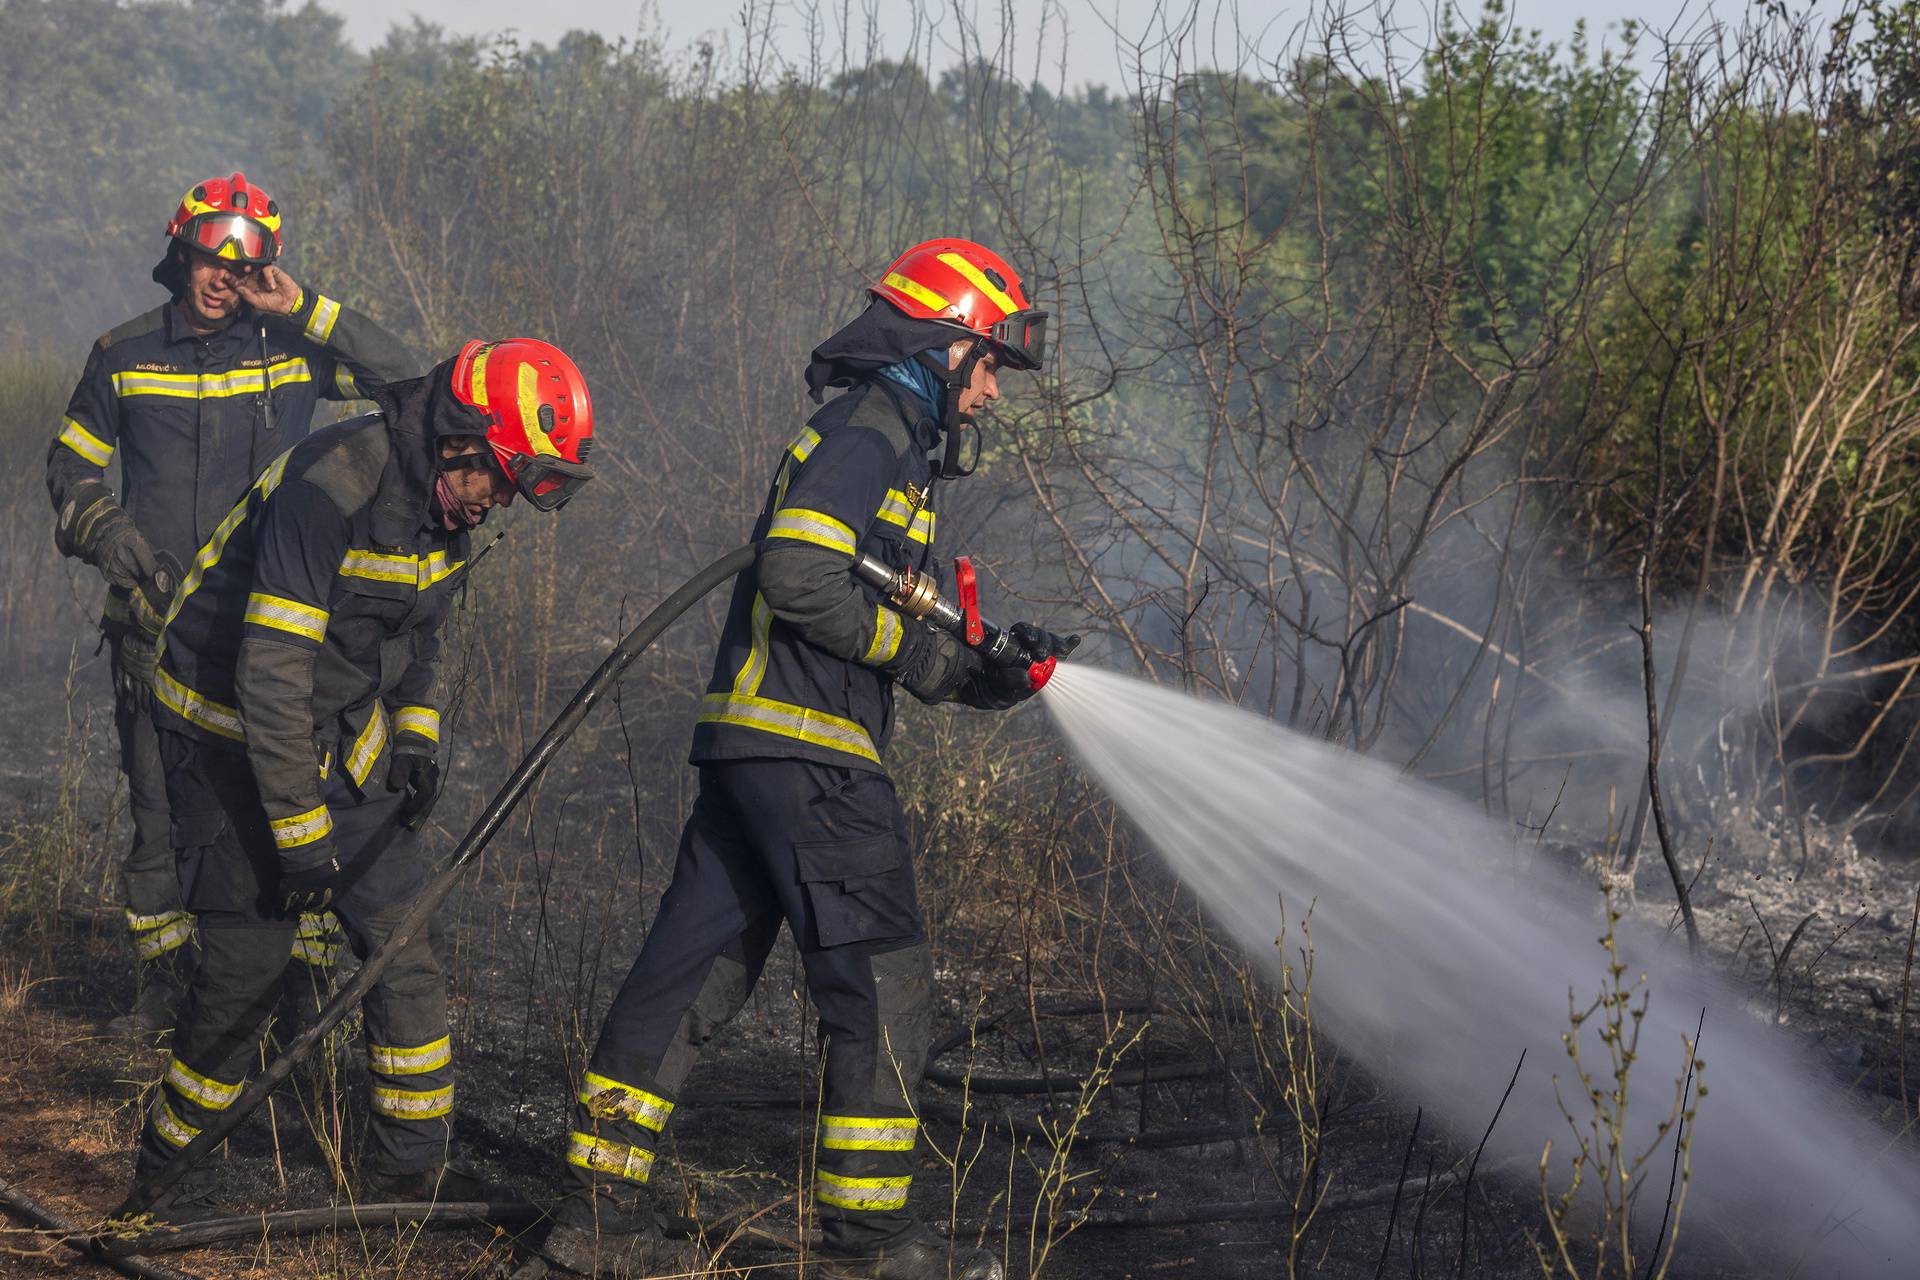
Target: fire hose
915,594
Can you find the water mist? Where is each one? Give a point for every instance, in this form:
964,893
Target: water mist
1442,951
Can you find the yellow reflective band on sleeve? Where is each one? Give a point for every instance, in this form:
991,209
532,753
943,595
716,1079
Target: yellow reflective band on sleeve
302,828
802,724
85,443
861,1193
917,291
804,444
344,384
422,722
194,709
291,616
391,1060
214,1095
367,747
320,319
921,530
978,279
894,509
817,527
211,386
436,569
412,1104
154,936
868,1133
886,636
609,1099
634,1164
377,566
169,1126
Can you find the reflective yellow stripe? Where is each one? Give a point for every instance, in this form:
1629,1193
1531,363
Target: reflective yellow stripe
209,556
436,569
389,1060
176,1131
344,384
214,1095
611,1100
380,567
412,1104
320,319
921,530
367,747
804,444
85,443
789,721
886,636
978,279
868,1133
320,955
210,386
291,616
631,1163
153,942
302,828
812,526
917,291
754,669
196,710
895,509
861,1193
422,722
139,923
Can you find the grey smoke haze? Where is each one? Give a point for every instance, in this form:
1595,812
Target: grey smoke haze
1442,952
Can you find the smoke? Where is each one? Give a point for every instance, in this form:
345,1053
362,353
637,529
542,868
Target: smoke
1443,951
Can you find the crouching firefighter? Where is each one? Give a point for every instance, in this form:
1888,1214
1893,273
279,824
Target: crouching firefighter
796,818
193,397
299,722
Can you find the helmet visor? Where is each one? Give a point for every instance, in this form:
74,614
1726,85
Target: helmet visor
1021,339
213,232
548,483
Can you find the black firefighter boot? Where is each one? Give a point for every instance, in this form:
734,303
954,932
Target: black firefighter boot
919,1255
614,1235
161,982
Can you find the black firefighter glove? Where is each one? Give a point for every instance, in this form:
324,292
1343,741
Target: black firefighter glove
91,525
418,774
1001,688
307,889
933,665
152,596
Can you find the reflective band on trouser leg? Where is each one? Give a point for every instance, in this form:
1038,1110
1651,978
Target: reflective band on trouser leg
862,1195
154,936
868,1133
318,941
629,1164
615,1124
412,1104
609,1099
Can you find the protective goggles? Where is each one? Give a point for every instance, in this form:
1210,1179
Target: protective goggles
1021,339
213,232
548,483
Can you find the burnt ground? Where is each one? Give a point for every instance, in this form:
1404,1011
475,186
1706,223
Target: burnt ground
537,942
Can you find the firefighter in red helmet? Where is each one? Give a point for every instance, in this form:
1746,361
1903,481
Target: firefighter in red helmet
193,397
298,712
796,819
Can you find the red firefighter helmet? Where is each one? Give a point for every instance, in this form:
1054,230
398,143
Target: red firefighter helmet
971,287
540,419
229,218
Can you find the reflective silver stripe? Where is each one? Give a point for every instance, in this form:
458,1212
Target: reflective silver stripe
138,923
861,1193
804,444
610,1099
435,569
283,614
921,530
789,721
895,509
587,1152
320,319
209,386
176,1131
214,1095
367,747
302,828
392,1061
85,443
344,384
151,944
886,636
380,567
816,527
322,955
412,1104
421,721
868,1133
193,708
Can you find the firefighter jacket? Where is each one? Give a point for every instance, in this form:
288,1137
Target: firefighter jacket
808,655
188,414
308,628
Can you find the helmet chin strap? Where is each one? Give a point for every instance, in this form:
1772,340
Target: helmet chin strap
956,427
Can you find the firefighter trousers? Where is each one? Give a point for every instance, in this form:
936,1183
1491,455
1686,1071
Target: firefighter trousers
825,849
228,871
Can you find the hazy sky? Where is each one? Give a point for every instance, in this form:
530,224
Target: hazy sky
1084,29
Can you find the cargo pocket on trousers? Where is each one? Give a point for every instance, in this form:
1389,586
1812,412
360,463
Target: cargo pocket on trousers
860,890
